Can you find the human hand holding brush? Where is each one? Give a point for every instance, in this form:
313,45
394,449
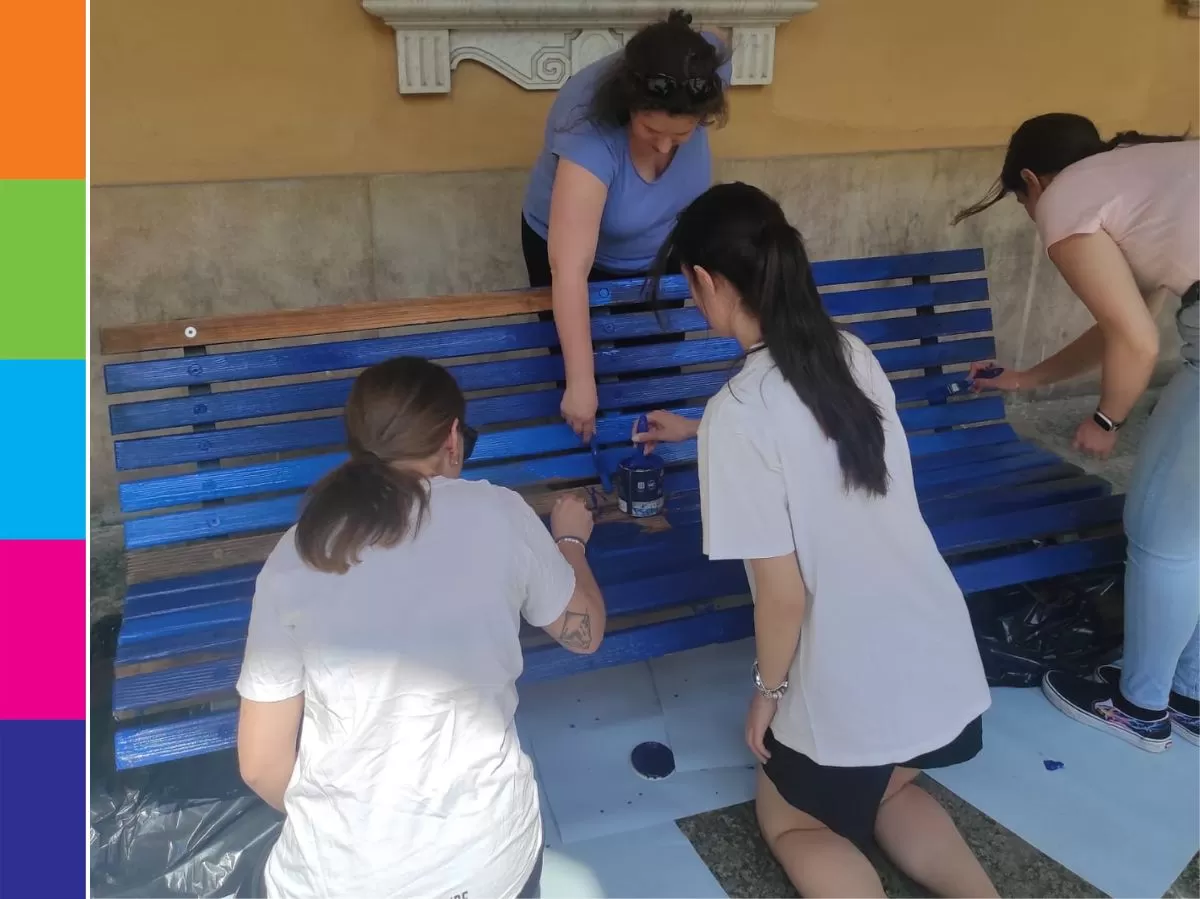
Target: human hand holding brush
664,427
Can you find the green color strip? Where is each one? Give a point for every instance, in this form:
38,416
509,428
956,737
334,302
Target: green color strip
43,256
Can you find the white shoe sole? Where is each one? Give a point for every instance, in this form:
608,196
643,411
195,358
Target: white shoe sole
1060,703
1178,728
1188,735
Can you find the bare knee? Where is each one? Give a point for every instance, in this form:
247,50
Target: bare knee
776,816
792,847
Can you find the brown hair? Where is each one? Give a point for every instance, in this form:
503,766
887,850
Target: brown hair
668,66
1046,145
399,411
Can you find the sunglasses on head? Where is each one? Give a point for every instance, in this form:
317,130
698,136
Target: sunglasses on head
667,86
469,438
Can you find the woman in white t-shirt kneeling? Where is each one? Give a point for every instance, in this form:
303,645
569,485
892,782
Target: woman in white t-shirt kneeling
867,669
388,621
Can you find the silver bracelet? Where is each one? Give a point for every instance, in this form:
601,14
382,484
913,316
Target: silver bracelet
566,538
764,690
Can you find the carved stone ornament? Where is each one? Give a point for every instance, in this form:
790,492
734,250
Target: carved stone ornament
539,44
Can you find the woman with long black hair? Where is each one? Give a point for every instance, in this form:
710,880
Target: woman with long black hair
1121,221
867,668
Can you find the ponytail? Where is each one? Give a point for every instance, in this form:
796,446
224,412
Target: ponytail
363,502
1047,144
811,354
1134,138
739,233
400,412
995,194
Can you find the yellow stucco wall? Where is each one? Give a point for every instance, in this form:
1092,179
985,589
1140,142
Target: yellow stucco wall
241,89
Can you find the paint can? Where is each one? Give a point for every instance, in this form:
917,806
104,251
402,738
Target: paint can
640,482
640,486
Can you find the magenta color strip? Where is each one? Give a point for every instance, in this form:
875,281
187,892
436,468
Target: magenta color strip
43,649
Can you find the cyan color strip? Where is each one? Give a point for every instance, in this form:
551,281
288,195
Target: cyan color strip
43,450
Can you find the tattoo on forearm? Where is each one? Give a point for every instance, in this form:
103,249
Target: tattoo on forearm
576,631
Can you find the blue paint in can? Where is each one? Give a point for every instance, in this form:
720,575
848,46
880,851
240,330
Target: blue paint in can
653,760
639,481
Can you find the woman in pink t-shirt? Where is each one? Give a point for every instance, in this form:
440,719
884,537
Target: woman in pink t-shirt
1121,221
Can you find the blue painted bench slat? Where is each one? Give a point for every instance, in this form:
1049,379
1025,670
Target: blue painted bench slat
616,561
351,354
322,395
314,433
213,470
236,518
152,618
164,742
245,574
176,490
217,586
696,584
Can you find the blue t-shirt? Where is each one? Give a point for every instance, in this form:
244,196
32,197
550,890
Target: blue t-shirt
638,215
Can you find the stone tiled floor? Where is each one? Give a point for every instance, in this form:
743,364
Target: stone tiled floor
729,842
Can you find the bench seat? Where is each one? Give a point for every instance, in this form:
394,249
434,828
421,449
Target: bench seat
214,460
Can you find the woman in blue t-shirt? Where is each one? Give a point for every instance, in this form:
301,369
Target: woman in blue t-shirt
626,149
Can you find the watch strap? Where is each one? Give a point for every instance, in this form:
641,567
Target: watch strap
1105,422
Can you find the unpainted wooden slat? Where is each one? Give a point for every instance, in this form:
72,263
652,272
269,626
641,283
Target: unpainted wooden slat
507,337
472,307
212,555
318,320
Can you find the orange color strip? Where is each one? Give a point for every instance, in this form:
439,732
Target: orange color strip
43,84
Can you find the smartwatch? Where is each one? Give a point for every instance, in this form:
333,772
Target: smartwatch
1105,422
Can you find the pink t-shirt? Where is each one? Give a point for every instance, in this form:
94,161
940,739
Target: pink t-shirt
1146,197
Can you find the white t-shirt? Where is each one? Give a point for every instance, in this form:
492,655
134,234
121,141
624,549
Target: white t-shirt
887,668
410,779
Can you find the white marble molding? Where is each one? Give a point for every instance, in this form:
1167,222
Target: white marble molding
539,44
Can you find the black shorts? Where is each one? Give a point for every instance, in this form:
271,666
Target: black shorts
846,800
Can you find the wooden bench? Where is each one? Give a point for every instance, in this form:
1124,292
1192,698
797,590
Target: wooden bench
214,448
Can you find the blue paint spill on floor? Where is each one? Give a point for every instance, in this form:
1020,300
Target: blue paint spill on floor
653,760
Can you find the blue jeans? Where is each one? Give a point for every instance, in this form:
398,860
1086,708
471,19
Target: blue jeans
1162,574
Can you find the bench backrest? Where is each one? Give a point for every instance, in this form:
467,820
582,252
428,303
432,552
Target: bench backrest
215,446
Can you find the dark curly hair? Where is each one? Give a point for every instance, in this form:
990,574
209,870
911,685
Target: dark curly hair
668,67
